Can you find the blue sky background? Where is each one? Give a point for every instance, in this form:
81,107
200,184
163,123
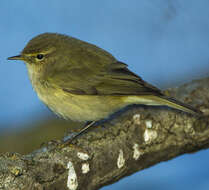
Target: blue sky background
164,41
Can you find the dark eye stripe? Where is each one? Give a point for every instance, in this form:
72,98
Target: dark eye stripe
40,56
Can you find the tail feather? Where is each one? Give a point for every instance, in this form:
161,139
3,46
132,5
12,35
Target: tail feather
163,101
171,102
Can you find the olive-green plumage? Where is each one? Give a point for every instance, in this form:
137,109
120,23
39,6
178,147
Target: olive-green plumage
83,82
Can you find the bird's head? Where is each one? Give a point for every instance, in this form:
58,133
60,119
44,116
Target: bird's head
44,48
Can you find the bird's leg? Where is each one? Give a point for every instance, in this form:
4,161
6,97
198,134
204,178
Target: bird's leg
86,127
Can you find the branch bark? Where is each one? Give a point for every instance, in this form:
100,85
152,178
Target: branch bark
136,139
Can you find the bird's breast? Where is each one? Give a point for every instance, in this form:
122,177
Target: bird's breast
78,107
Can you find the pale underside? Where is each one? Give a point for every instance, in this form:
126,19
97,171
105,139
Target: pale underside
89,107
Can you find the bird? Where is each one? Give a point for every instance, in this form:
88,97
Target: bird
82,82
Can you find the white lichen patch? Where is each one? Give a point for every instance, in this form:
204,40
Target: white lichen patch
85,168
148,124
150,135
137,153
121,159
83,156
136,118
189,129
72,182
205,111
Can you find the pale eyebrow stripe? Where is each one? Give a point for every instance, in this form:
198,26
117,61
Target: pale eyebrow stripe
42,52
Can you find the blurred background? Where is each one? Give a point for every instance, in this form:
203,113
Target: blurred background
164,41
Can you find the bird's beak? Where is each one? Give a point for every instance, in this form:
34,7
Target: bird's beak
17,57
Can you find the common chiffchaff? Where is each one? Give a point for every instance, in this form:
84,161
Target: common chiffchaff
83,82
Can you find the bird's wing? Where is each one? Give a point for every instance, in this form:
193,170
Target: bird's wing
111,79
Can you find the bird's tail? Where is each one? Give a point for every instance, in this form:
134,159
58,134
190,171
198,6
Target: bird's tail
163,101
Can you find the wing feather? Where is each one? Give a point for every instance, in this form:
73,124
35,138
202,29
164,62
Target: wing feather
111,79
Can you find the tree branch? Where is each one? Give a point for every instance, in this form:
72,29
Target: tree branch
136,139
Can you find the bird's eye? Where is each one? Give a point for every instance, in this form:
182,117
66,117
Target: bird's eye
40,56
